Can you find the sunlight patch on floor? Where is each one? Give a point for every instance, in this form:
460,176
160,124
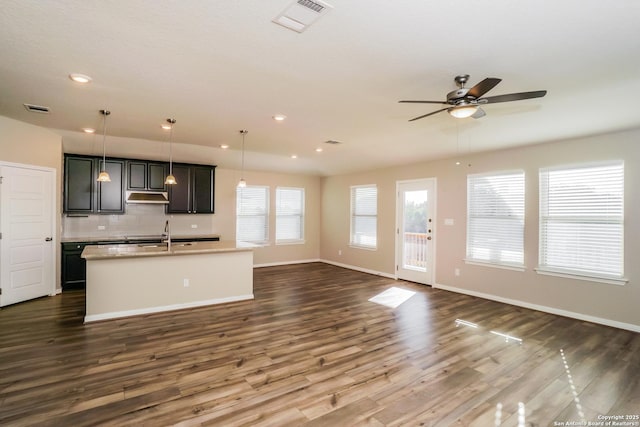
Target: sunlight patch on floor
392,297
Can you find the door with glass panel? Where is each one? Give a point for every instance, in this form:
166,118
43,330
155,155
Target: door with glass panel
415,230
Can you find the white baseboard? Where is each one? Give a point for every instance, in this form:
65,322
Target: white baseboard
275,264
363,270
543,308
137,312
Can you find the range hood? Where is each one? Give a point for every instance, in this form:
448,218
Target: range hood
149,197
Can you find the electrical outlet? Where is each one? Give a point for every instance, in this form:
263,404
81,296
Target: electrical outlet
194,225
339,252
101,227
185,282
456,271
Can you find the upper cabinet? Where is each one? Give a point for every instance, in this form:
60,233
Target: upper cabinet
194,191
142,175
83,194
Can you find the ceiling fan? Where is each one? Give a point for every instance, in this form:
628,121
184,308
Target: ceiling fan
466,102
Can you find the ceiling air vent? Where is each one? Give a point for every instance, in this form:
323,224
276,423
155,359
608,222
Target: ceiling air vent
299,15
332,142
37,108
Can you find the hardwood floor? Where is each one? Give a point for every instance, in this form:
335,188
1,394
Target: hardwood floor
311,350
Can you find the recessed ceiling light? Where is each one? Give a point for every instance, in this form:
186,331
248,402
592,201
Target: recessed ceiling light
279,117
80,78
224,146
88,130
318,150
294,156
166,127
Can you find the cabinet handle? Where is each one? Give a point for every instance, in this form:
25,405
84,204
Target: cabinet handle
48,239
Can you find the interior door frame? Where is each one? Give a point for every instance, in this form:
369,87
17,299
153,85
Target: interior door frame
433,182
54,228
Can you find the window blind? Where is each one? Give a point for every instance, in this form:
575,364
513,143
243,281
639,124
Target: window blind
582,219
252,214
364,216
495,218
289,215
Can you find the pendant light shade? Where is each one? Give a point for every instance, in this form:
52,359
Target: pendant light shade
242,183
170,180
104,175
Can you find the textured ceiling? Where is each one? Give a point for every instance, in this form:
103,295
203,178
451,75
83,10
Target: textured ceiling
221,66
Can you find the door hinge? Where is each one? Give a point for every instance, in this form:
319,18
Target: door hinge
0,291
0,236
1,178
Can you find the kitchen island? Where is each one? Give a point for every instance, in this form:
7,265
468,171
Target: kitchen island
133,279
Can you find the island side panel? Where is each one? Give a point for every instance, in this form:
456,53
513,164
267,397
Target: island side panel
120,287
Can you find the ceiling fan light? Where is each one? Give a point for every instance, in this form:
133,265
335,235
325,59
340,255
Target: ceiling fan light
104,177
463,112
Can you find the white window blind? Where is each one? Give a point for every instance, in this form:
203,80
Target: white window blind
364,216
582,220
252,214
495,218
289,215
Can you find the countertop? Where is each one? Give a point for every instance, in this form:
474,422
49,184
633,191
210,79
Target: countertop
90,239
96,252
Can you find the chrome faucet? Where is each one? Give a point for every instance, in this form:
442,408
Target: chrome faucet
167,234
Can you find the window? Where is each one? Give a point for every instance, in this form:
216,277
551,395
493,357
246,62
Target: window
495,218
252,214
582,220
364,216
289,215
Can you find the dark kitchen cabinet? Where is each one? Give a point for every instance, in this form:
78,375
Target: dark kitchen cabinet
110,195
79,184
142,175
74,268
83,194
194,192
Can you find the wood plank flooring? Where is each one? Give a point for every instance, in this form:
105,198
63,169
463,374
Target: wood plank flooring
311,350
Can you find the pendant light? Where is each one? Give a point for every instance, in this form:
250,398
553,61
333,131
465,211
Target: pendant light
242,182
171,180
104,175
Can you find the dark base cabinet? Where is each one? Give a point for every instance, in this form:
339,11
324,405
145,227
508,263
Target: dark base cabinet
74,268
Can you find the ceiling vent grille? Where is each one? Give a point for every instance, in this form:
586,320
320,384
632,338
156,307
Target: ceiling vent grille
37,108
332,142
300,14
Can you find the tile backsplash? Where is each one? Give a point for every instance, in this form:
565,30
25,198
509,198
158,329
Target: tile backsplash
139,219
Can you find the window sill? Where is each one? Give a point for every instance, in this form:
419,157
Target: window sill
620,281
493,265
290,242
366,248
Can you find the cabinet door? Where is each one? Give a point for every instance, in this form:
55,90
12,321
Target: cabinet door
180,193
79,184
111,194
137,175
156,174
203,186
74,267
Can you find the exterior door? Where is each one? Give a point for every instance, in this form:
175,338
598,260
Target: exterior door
27,218
415,230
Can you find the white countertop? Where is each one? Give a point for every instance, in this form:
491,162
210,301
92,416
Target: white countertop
97,252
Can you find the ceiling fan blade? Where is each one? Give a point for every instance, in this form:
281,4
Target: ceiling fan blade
513,97
483,87
478,114
429,114
424,102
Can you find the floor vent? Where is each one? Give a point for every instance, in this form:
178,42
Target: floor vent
300,14
37,108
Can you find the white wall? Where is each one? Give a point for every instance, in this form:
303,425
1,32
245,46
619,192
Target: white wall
612,304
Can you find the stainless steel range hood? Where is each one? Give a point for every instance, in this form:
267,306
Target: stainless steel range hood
149,197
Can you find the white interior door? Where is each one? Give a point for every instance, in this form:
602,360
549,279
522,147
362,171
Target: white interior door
27,218
415,232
